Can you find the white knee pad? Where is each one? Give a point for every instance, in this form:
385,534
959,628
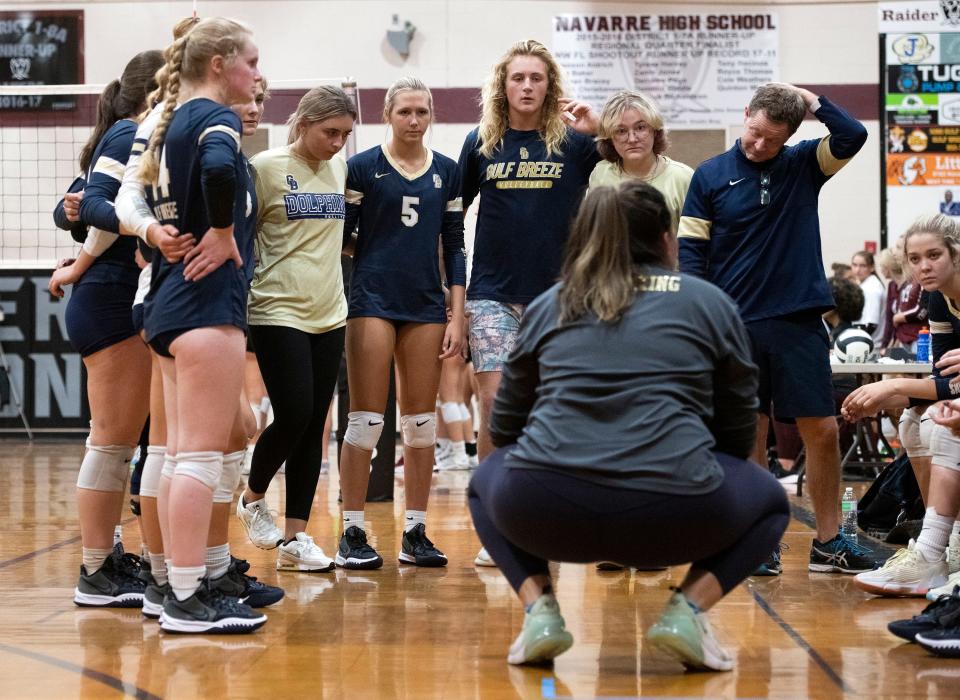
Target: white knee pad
229,477
916,426
419,429
464,412
363,429
450,410
152,469
945,448
169,465
205,467
105,468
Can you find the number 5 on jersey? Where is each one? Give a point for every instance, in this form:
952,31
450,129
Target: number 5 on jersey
408,215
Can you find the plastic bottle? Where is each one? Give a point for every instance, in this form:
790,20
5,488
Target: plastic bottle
848,515
923,345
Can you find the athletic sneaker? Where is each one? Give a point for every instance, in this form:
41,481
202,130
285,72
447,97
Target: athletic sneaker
544,635
953,554
906,573
840,555
301,554
116,584
449,460
484,559
944,641
153,597
209,611
258,522
946,589
247,589
772,566
928,620
688,637
355,553
416,548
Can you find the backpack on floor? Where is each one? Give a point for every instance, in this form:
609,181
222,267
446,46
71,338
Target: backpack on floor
893,494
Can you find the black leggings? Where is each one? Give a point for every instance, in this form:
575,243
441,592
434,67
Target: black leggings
527,517
300,372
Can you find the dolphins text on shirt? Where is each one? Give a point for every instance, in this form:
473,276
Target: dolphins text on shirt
314,206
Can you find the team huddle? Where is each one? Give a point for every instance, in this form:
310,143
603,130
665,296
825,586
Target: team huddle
192,255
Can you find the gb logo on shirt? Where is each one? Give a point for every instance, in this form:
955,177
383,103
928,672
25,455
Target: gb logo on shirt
291,183
437,182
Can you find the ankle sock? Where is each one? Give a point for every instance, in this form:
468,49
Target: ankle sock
412,518
934,536
158,568
93,559
218,560
185,580
353,518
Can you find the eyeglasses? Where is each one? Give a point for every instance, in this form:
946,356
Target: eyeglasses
764,185
623,134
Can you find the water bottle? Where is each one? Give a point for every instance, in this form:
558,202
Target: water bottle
923,345
848,515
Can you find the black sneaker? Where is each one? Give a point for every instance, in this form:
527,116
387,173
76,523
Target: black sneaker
609,566
840,555
153,598
416,548
355,553
209,611
945,639
113,585
928,620
772,566
246,588
129,564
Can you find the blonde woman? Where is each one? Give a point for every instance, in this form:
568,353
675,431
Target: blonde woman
529,160
297,317
632,141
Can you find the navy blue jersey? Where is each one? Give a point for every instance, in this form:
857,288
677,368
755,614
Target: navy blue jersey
103,179
402,218
203,183
944,336
528,201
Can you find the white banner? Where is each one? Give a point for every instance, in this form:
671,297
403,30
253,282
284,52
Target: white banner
919,16
701,69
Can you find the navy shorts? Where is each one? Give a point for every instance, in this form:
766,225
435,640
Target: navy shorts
138,317
98,315
793,355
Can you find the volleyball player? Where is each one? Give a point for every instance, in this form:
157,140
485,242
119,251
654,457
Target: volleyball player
297,316
101,329
531,170
598,440
195,313
406,199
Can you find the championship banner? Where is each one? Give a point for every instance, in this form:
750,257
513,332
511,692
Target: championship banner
701,69
40,47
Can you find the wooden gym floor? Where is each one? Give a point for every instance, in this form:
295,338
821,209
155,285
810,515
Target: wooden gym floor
403,632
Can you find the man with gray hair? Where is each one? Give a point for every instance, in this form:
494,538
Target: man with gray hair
750,225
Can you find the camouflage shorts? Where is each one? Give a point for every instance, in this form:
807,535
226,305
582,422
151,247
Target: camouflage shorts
494,326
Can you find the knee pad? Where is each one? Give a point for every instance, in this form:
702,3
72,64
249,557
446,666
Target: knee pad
944,448
419,429
229,477
105,468
363,429
450,410
205,467
464,412
915,428
152,469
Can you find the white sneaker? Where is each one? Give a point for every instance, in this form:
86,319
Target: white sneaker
301,554
483,559
906,573
953,554
450,461
544,635
473,461
945,589
258,522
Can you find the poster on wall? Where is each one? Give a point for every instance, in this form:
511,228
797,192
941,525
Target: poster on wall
45,372
700,68
40,47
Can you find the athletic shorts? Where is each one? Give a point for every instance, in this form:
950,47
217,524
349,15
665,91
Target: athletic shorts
916,430
98,316
944,448
494,328
793,355
138,317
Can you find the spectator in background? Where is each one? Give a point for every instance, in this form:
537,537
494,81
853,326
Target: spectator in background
841,271
948,206
874,294
905,304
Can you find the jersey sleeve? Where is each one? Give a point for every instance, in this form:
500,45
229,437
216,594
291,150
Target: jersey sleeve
106,173
354,196
470,169
696,221
847,136
219,146
77,229
451,234
132,208
942,339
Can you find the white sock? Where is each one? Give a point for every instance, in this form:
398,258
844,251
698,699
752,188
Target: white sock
353,518
254,505
218,560
956,527
412,518
93,559
458,449
443,443
934,536
158,568
117,534
185,580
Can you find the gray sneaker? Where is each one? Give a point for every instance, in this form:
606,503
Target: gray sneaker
208,611
153,598
111,586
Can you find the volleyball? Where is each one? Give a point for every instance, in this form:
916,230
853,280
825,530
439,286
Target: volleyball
853,345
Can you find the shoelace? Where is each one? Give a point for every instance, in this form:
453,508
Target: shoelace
853,547
898,555
358,540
